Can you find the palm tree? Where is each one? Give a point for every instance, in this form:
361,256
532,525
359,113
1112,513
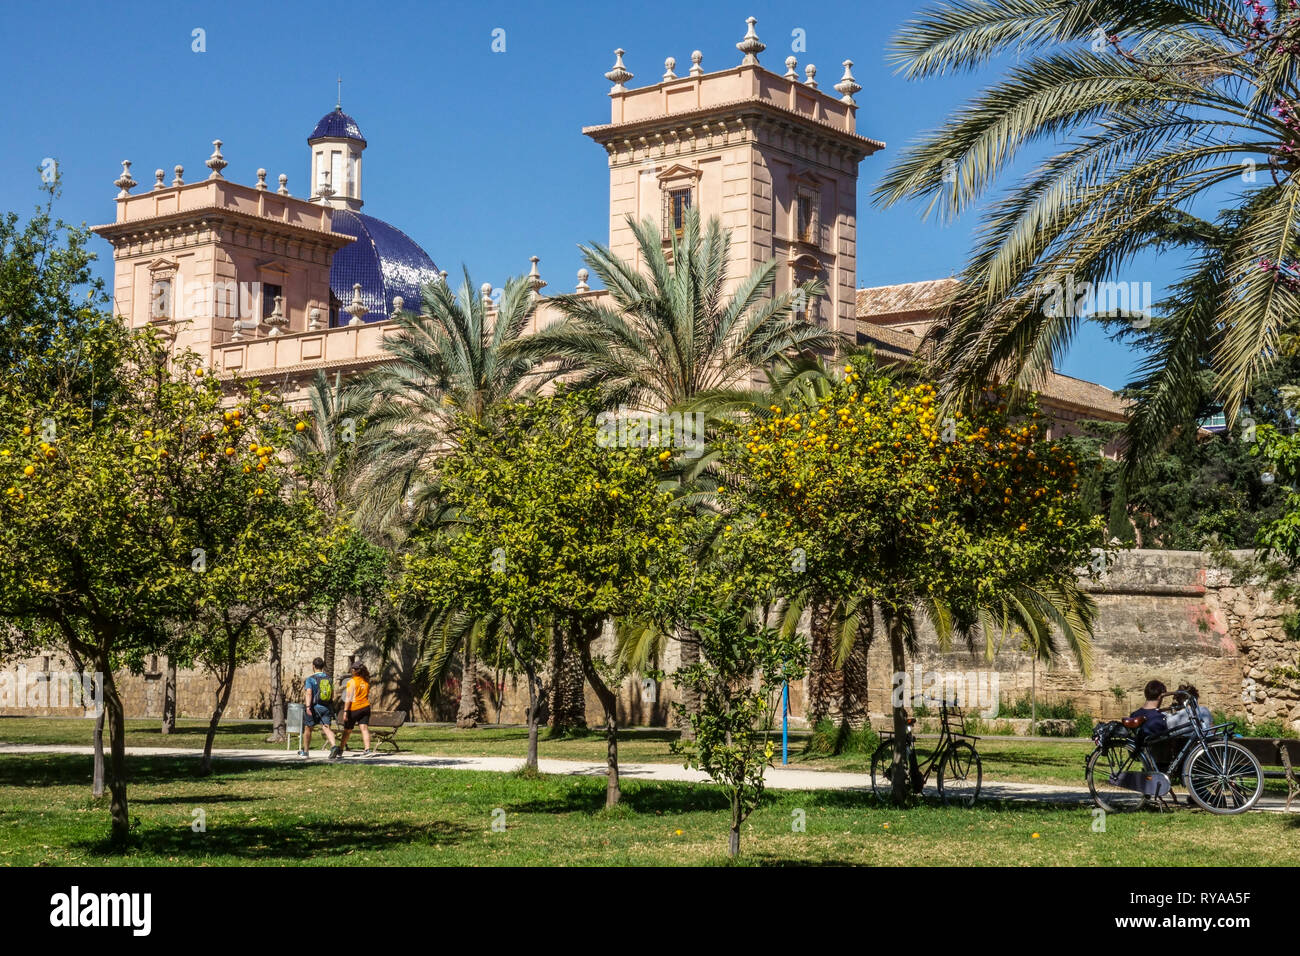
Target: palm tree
325,451
1161,106
459,359
670,331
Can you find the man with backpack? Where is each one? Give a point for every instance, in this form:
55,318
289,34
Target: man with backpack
317,698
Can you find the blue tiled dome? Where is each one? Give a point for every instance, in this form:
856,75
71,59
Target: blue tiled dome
386,261
337,124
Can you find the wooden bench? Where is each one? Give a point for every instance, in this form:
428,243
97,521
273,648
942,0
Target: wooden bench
1274,752
384,725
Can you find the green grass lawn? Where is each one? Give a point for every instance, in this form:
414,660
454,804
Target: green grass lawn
1042,762
300,814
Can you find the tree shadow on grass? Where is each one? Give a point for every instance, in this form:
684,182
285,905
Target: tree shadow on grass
285,842
72,770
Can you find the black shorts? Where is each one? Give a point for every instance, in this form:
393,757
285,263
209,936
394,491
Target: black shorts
353,717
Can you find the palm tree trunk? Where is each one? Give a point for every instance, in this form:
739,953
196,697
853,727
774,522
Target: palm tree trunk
610,704
470,711
568,703
690,654
855,674
169,697
825,683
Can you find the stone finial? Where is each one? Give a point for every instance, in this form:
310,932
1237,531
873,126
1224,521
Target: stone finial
848,85
620,74
696,59
313,320
442,276
179,171
751,45
124,182
583,275
277,320
284,185
398,302
216,162
325,190
535,281
159,180
261,180
670,65
810,72
790,72
357,308
485,290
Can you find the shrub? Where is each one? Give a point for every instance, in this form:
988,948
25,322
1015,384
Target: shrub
829,739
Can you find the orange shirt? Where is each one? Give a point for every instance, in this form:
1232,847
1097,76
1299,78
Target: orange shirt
360,693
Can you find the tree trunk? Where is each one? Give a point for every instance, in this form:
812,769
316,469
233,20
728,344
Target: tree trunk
534,702
690,654
279,725
855,674
902,752
331,638
470,711
733,838
610,705
97,780
825,682
169,697
568,698
120,820
225,683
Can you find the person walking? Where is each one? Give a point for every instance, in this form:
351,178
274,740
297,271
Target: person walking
317,694
356,710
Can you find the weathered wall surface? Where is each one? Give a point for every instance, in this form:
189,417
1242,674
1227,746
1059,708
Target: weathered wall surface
1172,615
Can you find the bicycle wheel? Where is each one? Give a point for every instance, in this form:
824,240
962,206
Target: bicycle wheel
1105,766
960,775
882,772
1223,777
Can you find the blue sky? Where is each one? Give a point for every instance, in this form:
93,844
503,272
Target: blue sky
478,155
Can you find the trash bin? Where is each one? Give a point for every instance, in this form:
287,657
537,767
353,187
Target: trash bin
293,719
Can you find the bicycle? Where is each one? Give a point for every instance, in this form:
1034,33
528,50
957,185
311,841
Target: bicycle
1221,776
960,771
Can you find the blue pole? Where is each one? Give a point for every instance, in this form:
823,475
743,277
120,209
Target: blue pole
785,722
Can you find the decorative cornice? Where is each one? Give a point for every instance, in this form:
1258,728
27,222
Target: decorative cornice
217,217
734,110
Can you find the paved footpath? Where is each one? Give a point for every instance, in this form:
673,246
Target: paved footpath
778,778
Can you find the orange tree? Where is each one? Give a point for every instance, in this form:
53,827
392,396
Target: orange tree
549,524
870,492
120,512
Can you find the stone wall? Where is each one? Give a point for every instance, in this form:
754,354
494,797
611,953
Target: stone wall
1172,615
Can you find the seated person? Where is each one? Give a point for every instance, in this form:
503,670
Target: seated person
1155,724
1180,721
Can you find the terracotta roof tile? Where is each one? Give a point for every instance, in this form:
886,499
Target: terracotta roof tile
908,297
